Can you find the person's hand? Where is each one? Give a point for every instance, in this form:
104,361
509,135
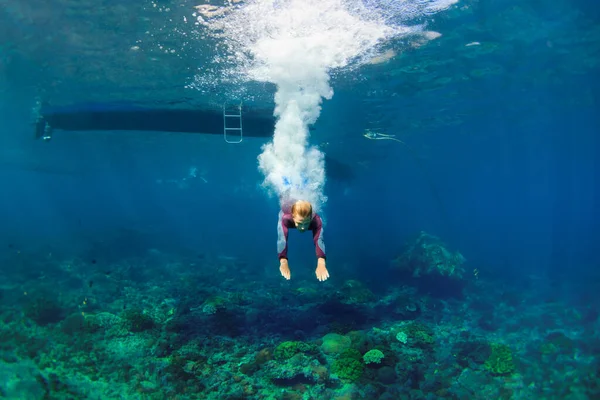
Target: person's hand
284,268
322,273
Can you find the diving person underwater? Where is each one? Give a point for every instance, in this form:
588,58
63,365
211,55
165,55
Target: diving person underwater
299,215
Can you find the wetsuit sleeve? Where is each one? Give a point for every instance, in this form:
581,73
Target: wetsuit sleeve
317,230
282,236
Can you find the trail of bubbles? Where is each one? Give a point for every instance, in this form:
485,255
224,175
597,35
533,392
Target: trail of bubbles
296,44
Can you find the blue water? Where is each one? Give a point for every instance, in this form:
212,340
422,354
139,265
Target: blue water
500,160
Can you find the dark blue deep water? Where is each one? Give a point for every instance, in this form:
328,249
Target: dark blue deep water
142,264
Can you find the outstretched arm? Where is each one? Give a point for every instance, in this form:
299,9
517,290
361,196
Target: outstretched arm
282,237
317,231
321,271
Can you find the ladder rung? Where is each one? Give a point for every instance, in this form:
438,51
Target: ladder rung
233,129
233,115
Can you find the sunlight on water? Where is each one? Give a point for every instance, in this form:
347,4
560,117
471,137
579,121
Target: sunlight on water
296,45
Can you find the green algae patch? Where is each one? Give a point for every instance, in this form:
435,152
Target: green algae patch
334,343
287,350
500,361
348,369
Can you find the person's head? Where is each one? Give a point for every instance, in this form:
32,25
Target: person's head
302,214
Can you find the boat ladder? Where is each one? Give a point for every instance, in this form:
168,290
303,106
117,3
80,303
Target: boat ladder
232,122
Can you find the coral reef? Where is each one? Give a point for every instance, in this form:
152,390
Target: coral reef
160,339
428,255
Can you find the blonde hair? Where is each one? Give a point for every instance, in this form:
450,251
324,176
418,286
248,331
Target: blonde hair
302,209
